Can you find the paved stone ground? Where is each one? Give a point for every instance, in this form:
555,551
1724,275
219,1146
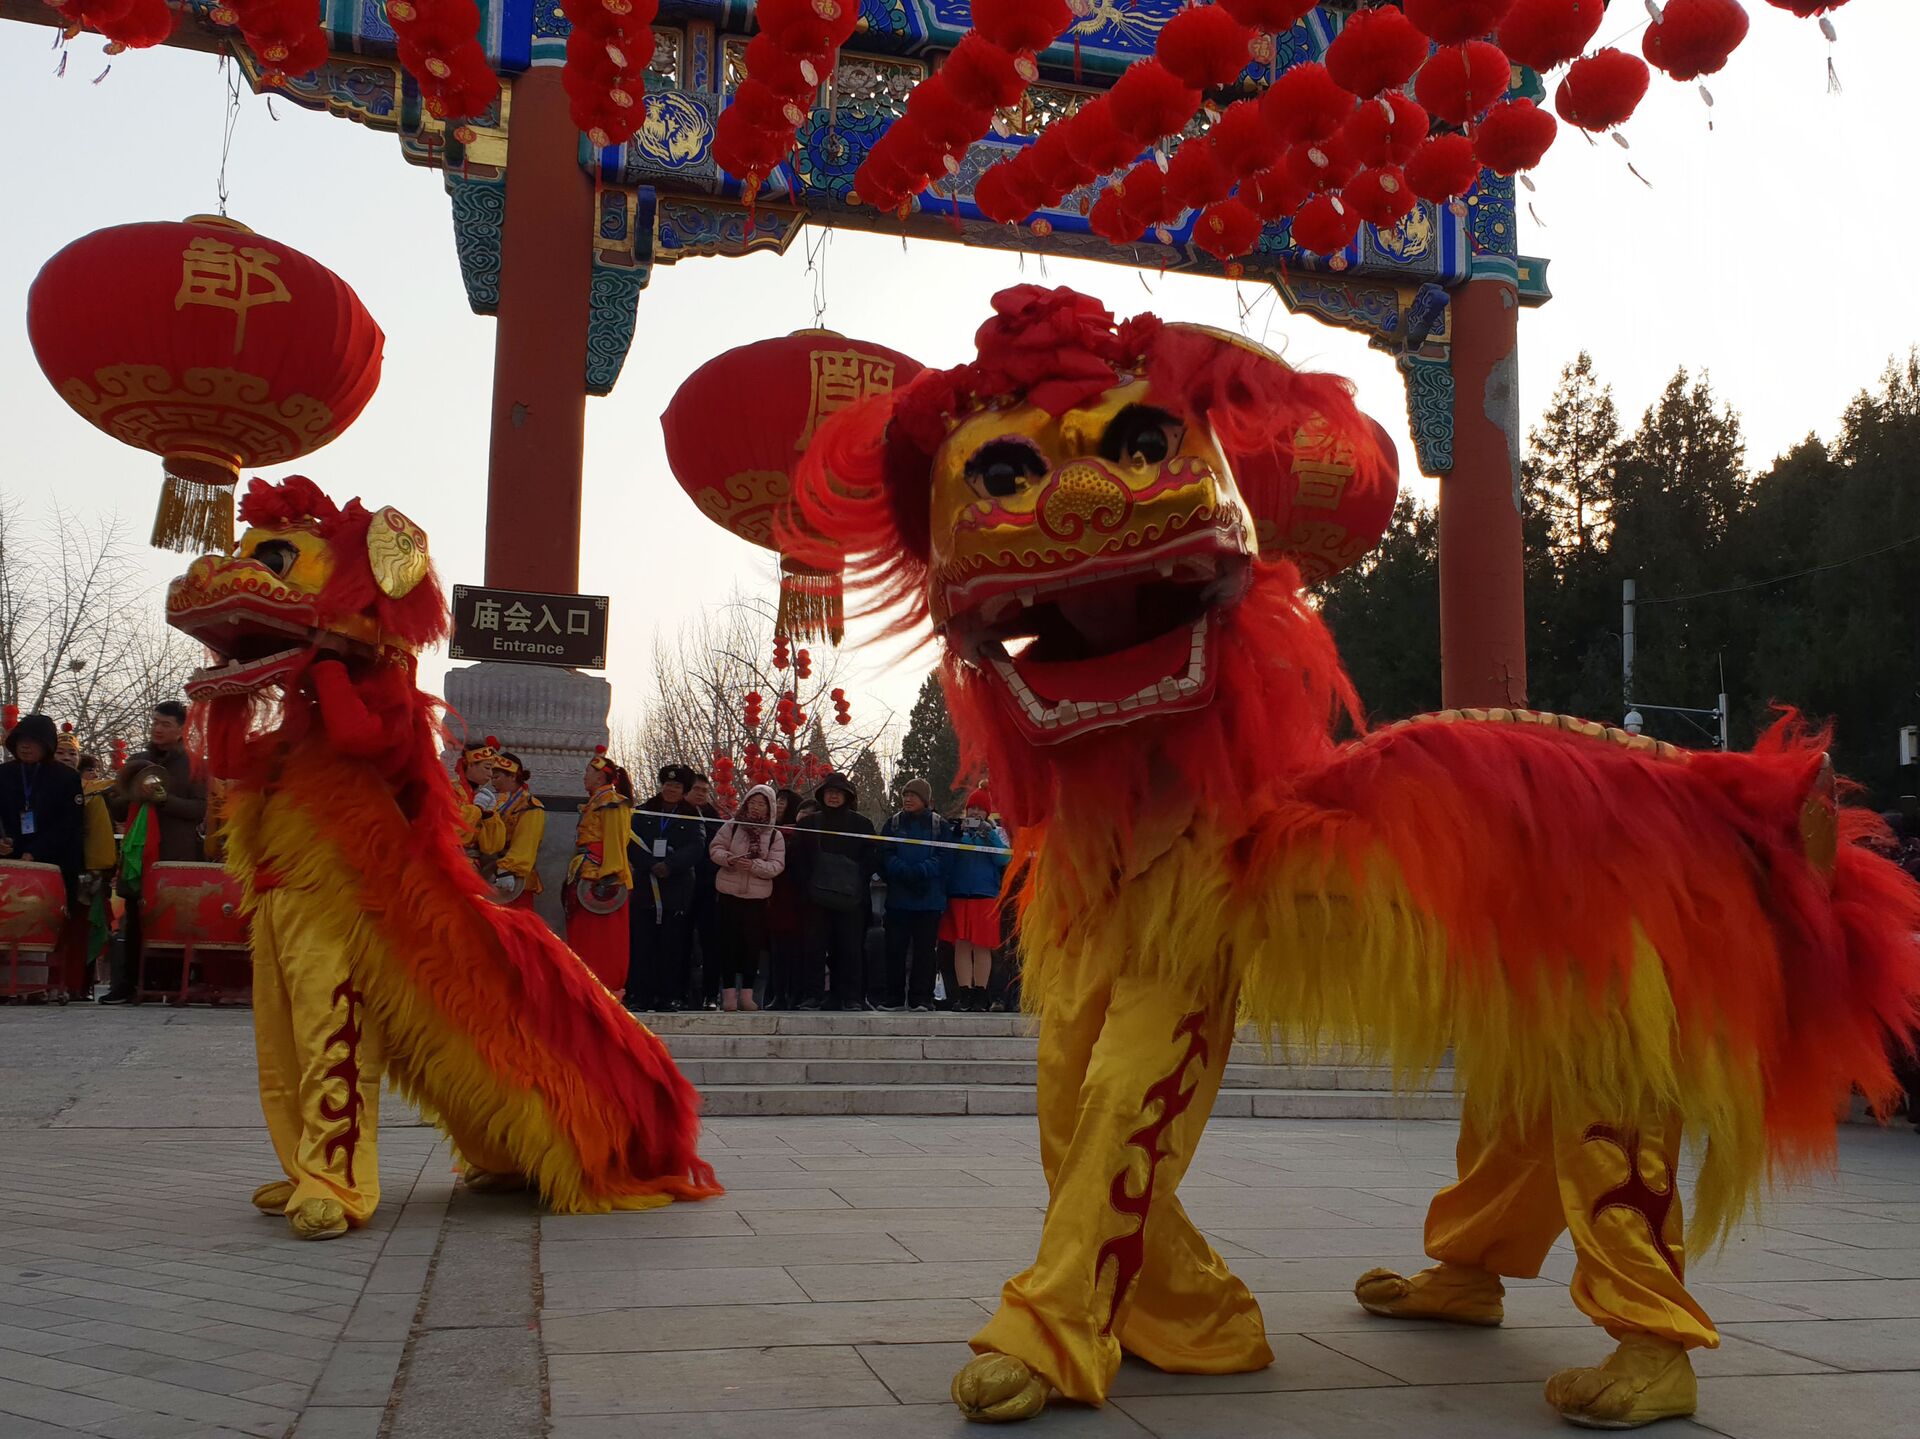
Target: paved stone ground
829,1293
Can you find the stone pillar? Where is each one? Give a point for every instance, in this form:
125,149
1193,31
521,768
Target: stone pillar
1483,634
552,719
540,345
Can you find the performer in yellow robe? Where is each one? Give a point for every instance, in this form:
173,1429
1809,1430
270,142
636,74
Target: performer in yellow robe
597,918
525,820
480,834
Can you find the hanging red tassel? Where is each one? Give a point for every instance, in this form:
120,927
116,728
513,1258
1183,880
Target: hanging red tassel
1602,90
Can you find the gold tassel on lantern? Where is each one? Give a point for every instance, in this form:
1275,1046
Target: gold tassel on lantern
195,514
811,605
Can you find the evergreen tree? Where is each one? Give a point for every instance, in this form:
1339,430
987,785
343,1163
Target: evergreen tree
1568,471
1385,616
871,784
931,747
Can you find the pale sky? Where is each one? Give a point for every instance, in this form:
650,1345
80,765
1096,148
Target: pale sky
1773,251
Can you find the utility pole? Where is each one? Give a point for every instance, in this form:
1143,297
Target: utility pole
1627,590
1726,744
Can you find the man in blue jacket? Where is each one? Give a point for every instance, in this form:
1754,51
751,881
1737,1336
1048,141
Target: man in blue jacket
666,845
916,879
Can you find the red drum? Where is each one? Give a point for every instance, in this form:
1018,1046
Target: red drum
33,909
195,914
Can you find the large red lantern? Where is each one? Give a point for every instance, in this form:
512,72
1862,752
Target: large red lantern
209,345
1304,505
738,426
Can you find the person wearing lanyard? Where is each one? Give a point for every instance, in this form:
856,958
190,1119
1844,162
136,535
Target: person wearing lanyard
667,842
41,818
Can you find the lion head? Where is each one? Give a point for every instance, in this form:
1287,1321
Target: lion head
1064,514
306,576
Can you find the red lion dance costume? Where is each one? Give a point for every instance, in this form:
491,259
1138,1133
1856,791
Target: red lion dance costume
1624,945
374,946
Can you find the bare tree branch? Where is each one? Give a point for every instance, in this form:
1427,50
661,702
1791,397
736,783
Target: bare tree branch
81,638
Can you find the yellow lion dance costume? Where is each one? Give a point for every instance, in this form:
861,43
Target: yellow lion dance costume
1625,946
375,949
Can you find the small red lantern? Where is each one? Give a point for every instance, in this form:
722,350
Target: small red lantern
1543,34
1602,90
1204,45
209,345
1377,50
1458,82
1695,37
1303,505
736,460
1514,136
1451,21
1443,167
802,664
1325,225
1227,229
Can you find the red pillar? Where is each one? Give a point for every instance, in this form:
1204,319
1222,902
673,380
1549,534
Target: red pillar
1483,645
540,346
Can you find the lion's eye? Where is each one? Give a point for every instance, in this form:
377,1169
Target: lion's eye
1001,468
276,555
1141,435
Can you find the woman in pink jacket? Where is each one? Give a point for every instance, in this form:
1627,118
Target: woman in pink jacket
749,853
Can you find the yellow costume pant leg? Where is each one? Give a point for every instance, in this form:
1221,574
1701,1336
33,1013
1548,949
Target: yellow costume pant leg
1620,1187
1126,1080
1504,1212
1612,1187
319,1058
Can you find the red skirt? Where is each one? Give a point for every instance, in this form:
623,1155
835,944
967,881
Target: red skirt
972,921
601,942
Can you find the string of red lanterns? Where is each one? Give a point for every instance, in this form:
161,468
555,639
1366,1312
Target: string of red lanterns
794,51
439,44
608,52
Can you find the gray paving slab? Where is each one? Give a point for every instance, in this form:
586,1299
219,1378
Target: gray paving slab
830,1293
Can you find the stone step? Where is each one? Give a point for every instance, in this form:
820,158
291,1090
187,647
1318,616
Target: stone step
696,1046
851,1022
999,1073
730,1100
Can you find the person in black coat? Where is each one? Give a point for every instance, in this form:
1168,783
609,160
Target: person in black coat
665,852
700,917
836,856
40,803
180,819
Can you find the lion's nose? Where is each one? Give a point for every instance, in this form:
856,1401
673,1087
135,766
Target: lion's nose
1083,495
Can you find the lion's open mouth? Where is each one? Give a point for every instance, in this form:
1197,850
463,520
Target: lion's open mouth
1106,647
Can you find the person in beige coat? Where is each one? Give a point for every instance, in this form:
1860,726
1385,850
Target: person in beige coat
750,853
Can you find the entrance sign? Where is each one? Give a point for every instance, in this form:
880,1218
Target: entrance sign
527,627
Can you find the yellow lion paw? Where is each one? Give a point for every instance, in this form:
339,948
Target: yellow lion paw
318,1219
998,1389
272,1198
1450,1293
488,1181
1645,1380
